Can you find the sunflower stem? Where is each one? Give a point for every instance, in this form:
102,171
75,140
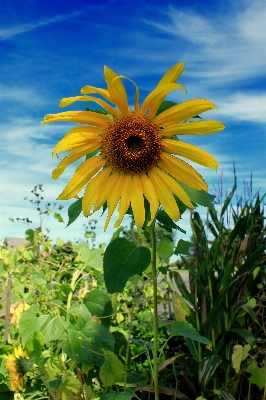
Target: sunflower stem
155,315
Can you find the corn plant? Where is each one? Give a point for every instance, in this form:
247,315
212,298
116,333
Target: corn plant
226,303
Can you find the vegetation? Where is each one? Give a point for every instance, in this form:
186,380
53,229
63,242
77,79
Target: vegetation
87,333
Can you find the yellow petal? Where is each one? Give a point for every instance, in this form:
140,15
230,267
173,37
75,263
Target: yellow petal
183,111
85,129
117,90
172,74
150,194
125,199
191,152
137,201
70,142
173,186
70,100
165,196
114,195
155,98
95,186
72,157
81,117
194,128
77,139
107,189
182,171
92,89
136,99
82,176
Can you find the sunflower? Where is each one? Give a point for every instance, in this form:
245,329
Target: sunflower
16,364
131,154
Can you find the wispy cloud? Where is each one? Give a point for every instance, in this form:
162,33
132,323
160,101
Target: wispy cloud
219,44
244,107
25,96
18,29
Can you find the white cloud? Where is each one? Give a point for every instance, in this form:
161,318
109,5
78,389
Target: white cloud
244,107
25,96
228,45
251,22
6,33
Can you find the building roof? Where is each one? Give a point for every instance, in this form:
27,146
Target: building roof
15,242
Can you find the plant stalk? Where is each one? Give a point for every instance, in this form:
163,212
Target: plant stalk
155,316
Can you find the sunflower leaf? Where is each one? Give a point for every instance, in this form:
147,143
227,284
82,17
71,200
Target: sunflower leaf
123,259
164,219
92,153
97,111
73,211
183,247
198,196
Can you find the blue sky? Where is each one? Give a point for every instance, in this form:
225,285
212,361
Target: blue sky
49,50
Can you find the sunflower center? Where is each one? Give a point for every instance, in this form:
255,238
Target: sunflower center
135,144
132,144
22,366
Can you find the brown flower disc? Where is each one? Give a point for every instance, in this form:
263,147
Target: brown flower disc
132,144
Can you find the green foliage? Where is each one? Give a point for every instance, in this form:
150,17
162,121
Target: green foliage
122,259
86,342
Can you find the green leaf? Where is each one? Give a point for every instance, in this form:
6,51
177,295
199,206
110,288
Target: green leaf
257,374
215,311
52,367
97,111
164,219
183,247
227,200
135,378
5,389
58,217
164,250
39,281
55,384
117,232
183,289
247,336
30,236
251,313
128,394
99,304
87,344
79,315
34,345
69,388
207,368
92,257
112,369
51,328
120,347
255,272
193,348
199,196
92,154
62,290
187,330
142,343
122,259
73,211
